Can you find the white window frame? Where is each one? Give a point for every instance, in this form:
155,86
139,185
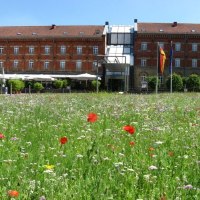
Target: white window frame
143,62
1,64
178,46
144,46
79,50
47,50
161,44
63,50
94,65
31,64
62,64
78,65
177,62
95,50
31,49
1,50
16,50
194,47
194,63
46,65
143,77
15,64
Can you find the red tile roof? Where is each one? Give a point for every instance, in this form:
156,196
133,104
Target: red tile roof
180,28
57,31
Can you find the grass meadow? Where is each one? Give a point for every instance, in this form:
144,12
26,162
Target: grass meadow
137,147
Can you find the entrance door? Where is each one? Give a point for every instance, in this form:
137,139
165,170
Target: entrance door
115,85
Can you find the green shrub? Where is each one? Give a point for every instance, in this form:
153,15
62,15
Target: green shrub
94,84
58,84
17,85
65,83
38,86
177,82
193,82
152,82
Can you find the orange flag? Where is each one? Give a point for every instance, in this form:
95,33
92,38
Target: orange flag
162,58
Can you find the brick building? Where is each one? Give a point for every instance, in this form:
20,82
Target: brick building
185,40
50,49
125,55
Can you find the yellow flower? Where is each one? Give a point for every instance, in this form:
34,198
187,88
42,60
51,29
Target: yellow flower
50,167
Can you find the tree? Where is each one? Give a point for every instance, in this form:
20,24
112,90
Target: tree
177,82
17,85
58,84
193,82
38,86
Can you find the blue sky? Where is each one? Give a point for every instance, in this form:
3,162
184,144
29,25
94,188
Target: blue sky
97,12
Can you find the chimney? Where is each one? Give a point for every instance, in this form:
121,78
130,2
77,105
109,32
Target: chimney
53,26
174,24
107,23
135,25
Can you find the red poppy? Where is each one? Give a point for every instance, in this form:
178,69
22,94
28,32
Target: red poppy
63,140
1,136
132,143
129,129
13,193
92,117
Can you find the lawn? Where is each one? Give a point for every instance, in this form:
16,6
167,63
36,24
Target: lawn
100,146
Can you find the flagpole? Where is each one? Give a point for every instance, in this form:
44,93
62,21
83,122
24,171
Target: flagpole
171,67
157,70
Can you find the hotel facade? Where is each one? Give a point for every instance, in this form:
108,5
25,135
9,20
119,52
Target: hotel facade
123,56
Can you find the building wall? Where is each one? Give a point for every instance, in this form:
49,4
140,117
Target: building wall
150,54
54,57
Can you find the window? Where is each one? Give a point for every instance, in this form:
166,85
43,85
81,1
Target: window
194,47
143,77
127,50
31,64
16,50
62,64
161,44
63,50
194,62
79,50
143,62
143,46
15,63
31,50
1,64
119,38
46,65
47,50
78,65
1,50
177,46
94,65
177,62
95,50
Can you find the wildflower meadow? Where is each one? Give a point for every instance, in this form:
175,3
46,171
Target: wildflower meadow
100,146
